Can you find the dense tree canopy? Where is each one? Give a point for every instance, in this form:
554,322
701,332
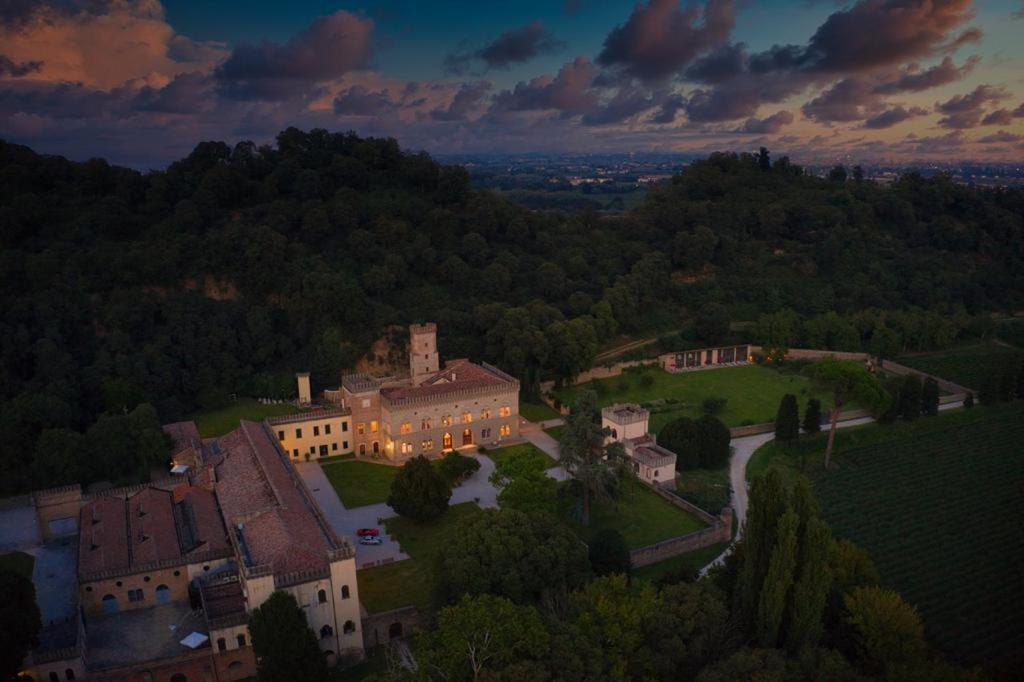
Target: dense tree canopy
284,645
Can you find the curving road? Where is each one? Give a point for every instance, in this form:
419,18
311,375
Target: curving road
742,450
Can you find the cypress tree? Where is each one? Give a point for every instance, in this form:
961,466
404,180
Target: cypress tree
810,588
766,505
778,581
787,419
910,397
812,417
930,398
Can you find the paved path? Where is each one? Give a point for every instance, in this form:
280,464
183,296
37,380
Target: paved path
742,450
534,433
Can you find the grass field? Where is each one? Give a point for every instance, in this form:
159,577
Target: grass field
360,483
408,582
18,562
554,431
639,515
1012,332
537,412
967,365
707,488
502,455
754,392
938,505
218,422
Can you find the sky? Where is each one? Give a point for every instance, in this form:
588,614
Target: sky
141,82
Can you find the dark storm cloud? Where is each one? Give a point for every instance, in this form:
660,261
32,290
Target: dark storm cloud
514,46
467,100
330,47
913,80
718,66
660,39
360,101
14,69
766,126
891,117
966,111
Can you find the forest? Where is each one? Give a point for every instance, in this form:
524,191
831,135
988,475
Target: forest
132,299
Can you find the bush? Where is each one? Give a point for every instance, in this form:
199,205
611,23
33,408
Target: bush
812,417
697,443
714,404
910,397
969,400
787,419
609,553
454,466
930,398
418,491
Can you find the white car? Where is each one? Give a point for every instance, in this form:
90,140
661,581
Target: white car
370,540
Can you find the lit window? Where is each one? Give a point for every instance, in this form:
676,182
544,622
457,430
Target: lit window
373,427
485,414
467,417
406,427
406,448
505,411
427,444
360,428
446,420
505,430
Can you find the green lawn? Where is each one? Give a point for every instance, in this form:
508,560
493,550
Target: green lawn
937,503
537,412
501,456
696,560
967,365
555,432
640,515
707,488
215,423
754,392
410,582
18,562
360,483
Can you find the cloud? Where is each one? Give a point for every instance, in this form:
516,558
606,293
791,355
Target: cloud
915,80
466,101
568,91
767,126
187,93
669,108
626,103
965,111
660,39
330,47
511,47
850,99
891,117
1001,137
16,70
358,100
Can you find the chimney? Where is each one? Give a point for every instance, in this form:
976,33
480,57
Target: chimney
305,396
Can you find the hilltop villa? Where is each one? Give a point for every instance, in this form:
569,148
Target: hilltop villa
652,464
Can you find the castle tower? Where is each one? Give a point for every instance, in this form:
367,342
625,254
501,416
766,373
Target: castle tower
305,396
423,360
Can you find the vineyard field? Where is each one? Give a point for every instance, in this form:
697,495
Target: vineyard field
968,366
941,514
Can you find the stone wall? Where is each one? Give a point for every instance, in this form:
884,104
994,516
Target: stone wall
381,628
944,384
719,530
816,354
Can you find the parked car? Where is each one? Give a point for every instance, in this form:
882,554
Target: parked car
370,540
368,532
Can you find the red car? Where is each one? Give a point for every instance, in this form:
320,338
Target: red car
368,532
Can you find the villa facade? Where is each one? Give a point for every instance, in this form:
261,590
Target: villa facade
689,360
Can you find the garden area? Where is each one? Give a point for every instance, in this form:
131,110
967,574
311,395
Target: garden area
217,422
968,366
402,583
537,412
360,483
937,504
518,456
752,392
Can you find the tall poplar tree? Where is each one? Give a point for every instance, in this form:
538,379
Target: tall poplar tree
787,419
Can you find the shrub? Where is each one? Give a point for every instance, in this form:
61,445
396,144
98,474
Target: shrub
787,419
609,553
812,417
418,491
930,398
454,466
697,443
969,400
714,404
910,397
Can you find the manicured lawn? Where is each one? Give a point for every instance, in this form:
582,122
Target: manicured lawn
937,503
696,560
410,582
968,365
707,488
360,483
640,515
753,392
555,432
218,422
537,412
501,456
18,562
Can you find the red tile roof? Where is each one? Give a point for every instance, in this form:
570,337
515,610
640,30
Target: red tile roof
457,375
258,489
152,525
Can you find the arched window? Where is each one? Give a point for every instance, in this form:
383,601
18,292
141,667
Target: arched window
69,674
345,592
326,631
349,627
178,677
321,597
163,594
109,604
446,441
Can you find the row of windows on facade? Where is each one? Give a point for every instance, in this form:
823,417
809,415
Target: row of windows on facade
69,674
466,418
316,430
427,444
